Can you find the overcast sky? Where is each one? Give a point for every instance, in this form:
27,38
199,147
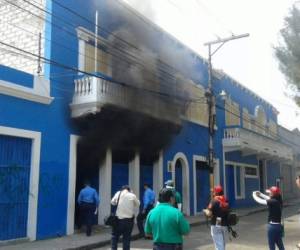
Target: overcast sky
250,60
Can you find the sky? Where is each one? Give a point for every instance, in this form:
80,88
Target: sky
251,60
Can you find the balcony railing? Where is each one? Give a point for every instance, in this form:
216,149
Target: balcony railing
253,143
93,93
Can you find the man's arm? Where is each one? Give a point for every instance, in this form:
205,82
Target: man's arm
114,200
183,225
136,201
79,199
148,227
146,199
96,198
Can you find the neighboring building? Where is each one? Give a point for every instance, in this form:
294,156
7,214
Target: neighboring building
133,110
290,170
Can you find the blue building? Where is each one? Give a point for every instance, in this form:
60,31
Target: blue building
120,102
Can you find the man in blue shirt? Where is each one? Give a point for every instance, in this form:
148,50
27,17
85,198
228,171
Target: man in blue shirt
148,204
88,201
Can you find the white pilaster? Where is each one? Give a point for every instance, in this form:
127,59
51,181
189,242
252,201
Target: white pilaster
158,174
134,174
105,170
72,184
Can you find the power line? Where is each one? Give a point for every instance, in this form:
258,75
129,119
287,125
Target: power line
109,52
94,75
196,100
55,63
174,69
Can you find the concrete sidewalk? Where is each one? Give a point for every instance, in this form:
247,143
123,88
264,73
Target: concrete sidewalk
101,236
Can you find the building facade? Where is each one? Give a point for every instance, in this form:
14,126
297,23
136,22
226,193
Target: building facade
290,169
120,102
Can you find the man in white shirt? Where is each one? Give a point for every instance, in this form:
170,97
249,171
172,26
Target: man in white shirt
127,206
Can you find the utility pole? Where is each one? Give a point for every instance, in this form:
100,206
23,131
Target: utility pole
211,100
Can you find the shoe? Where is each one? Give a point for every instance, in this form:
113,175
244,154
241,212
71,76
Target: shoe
298,245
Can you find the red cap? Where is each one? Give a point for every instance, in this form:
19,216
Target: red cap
274,190
218,189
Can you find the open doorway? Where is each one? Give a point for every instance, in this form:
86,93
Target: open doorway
86,170
262,175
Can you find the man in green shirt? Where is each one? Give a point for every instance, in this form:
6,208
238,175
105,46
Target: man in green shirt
166,224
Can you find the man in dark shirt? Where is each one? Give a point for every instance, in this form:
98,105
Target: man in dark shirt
274,203
218,210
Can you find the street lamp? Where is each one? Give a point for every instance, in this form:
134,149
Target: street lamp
211,100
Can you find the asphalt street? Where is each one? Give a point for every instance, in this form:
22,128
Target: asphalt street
251,230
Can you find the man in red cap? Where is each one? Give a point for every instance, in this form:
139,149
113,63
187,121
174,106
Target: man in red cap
274,203
218,210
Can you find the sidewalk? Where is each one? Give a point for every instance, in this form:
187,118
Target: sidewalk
102,235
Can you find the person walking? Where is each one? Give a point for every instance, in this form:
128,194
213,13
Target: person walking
178,200
274,203
217,211
166,224
88,201
127,206
148,204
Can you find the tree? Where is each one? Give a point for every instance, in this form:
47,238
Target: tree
288,52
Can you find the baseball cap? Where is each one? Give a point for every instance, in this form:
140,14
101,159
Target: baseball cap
274,190
169,183
218,189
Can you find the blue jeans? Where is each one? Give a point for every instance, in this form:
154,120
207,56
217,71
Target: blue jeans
218,235
275,236
124,227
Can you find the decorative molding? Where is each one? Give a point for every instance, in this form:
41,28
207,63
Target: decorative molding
39,93
185,180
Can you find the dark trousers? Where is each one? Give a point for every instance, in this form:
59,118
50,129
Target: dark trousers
275,236
141,218
87,214
167,246
124,227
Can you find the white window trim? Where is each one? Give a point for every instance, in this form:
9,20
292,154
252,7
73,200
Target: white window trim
34,174
40,92
242,178
217,180
252,176
185,179
196,158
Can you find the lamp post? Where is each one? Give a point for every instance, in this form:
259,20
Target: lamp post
211,100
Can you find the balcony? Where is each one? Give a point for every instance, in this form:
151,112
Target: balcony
93,93
253,143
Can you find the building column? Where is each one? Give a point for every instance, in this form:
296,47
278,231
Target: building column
105,170
134,174
158,174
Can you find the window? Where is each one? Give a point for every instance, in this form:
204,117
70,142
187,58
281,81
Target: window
251,172
102,60
246,119
232,110
239,182
197,111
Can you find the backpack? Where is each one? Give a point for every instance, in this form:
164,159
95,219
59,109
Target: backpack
232,219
